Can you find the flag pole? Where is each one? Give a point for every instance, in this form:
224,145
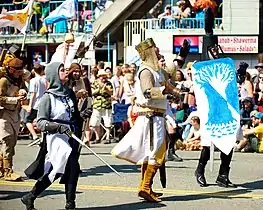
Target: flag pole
69,41
27,24
212,152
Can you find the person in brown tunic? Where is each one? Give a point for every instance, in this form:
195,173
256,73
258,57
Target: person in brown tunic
11,97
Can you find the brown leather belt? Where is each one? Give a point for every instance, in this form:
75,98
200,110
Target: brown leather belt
150,115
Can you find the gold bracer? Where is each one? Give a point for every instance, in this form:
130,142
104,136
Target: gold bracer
170,89
156,93
144,45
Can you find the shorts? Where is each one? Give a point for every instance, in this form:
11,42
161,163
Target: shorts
97,115
31,116
254,143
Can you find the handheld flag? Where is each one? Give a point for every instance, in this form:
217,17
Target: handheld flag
17,18
216,93
67,10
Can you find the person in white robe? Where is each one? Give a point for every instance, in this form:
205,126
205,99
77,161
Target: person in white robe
145,143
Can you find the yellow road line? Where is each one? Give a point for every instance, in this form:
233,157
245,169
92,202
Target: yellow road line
229,194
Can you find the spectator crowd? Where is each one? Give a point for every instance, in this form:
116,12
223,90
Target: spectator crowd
115,110
170,16
185,13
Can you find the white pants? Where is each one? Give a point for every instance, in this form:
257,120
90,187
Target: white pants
97,115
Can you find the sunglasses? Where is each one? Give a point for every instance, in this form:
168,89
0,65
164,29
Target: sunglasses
17,68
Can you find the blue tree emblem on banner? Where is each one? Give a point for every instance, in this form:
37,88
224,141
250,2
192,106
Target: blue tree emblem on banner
217,78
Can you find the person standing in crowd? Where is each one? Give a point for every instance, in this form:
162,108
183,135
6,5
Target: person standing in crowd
102,91
109,72
100,65
58,114
94,74
133,69
37,88
116,81
247,88
125,69
11,97
82,88
80,85
190,96
145,143
247,106
127,88
258,67
258,95
173,131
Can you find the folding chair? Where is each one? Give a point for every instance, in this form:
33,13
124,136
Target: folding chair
119,116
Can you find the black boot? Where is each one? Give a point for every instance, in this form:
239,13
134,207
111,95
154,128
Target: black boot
70,196
172,156
28,200
223,175
223,179
200,171
200,175
39,187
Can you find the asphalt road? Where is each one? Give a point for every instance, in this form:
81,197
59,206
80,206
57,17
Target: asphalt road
100,188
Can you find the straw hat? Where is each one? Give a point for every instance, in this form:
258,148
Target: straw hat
259,65
179,59
102,72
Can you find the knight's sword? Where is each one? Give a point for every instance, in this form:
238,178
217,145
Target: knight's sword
72,135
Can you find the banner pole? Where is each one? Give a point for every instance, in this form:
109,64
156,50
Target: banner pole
27,24
212,150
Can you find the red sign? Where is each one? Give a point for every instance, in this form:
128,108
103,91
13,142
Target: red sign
192,40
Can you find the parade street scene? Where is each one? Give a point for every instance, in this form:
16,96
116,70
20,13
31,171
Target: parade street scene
100,188
131,104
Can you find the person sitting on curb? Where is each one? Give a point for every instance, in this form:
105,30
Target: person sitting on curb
255,135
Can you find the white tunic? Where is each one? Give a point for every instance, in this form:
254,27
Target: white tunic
135,146
57,144
158,79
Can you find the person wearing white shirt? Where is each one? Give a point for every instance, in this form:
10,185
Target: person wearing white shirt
37,88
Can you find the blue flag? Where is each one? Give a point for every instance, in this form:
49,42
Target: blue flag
67,10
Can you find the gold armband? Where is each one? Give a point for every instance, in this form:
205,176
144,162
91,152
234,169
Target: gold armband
157,93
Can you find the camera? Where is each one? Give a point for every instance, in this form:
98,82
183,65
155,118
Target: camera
241,72
180,86
185,89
